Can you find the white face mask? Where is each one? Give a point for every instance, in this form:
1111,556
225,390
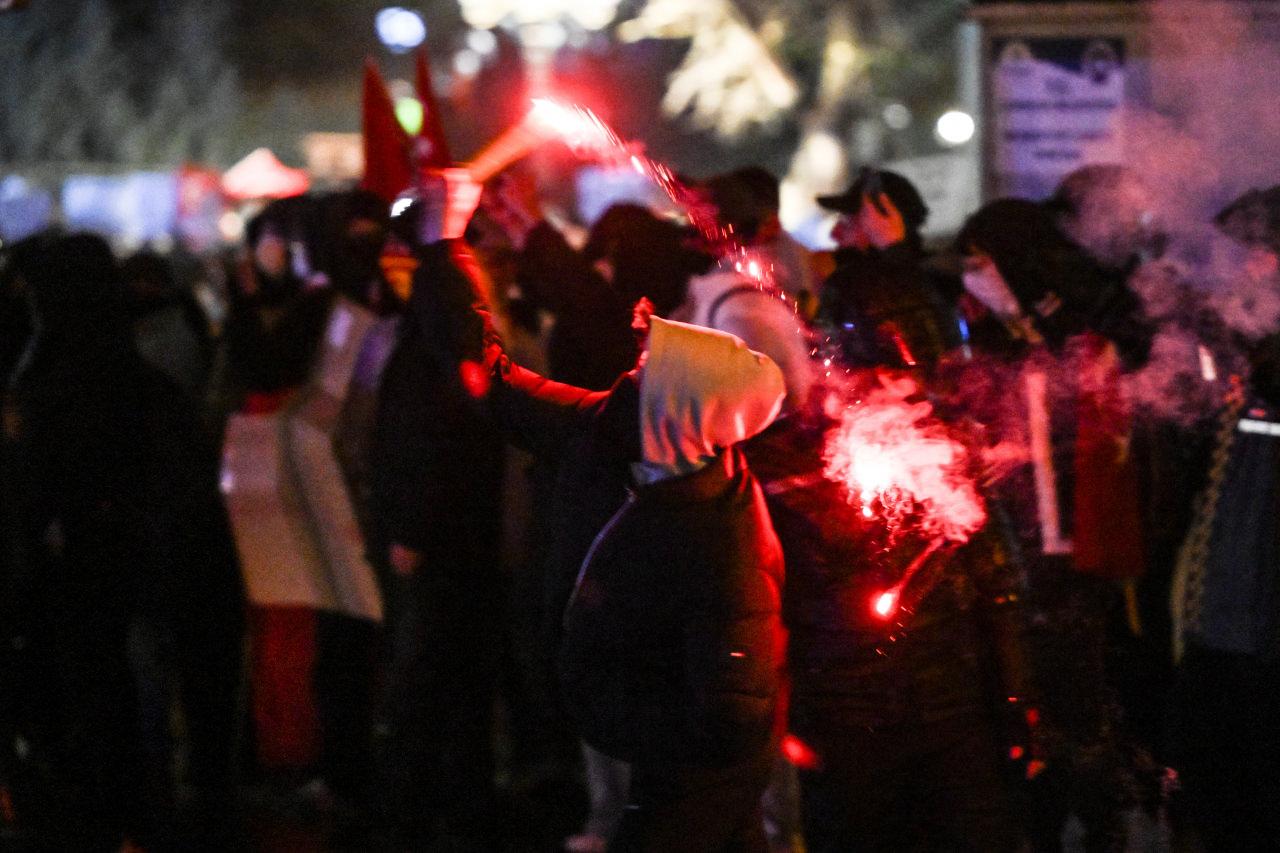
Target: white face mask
984,283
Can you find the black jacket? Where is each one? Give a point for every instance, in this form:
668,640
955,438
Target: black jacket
435,459
882,309
673,641
958,623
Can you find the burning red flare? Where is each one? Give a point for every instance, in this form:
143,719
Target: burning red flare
894,458
588,135
578,127
885,604
799,753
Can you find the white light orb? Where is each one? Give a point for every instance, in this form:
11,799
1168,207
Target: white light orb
822,157
897,116
484,14
482,42
400,29
591,15
594,16
955,127
466,63
231,227
550,35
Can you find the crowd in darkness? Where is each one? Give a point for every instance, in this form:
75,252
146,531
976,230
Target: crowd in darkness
596,550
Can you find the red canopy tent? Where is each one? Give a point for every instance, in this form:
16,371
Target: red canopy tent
262,175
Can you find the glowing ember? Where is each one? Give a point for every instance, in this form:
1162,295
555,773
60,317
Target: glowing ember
885,604
899,462
799,753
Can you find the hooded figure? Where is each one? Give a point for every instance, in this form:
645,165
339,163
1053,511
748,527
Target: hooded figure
1041,286
70,459
672,647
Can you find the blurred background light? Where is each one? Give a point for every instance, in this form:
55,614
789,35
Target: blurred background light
482,42
466,63
400,29
409,113
955,127
897,116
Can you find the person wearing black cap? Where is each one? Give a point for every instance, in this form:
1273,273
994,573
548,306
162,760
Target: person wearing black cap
878,297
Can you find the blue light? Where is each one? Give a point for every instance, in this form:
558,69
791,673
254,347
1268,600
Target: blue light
400,29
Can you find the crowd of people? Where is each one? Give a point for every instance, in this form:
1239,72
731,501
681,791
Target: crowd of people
452,496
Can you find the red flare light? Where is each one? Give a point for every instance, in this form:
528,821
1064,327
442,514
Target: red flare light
895,458
474,378
577,126
885,604
799,753
588,135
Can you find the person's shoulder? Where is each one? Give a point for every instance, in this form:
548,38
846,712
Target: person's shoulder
715,281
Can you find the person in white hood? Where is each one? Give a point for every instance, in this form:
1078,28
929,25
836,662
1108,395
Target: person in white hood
701,391
672,645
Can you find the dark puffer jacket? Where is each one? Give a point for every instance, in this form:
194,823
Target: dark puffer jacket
673,648
849,668
882,309
673,642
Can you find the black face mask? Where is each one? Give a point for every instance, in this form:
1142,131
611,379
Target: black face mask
277,290
356,266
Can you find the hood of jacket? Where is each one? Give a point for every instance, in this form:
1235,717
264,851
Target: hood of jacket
700,392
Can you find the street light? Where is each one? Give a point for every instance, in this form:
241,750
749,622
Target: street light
955,127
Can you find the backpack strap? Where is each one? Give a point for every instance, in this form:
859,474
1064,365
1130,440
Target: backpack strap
719,301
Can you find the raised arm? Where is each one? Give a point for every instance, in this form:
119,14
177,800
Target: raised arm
450,304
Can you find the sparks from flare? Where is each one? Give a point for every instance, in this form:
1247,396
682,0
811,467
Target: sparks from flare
587,135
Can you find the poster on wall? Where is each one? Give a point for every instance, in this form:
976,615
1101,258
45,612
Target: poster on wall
1058,105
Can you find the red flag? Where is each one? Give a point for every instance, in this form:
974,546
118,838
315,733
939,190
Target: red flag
432,146
387,166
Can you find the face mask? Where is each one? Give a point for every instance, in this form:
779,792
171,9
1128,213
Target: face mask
985,284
